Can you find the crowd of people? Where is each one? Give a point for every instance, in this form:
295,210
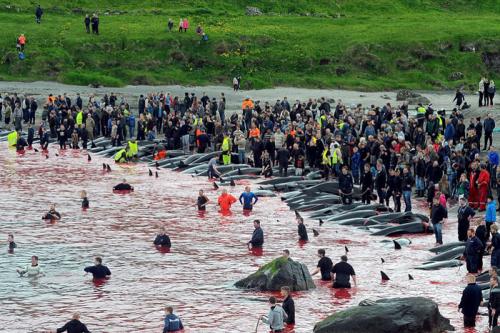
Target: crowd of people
393,154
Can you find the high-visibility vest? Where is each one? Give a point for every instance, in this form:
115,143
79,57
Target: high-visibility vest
225,144
79,118
341,125
120,156
322,120
12,138
440,120
325,159
421,110
133,149
335,157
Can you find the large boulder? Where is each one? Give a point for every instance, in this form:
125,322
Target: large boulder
492,61
253,11
419,100
278,273
396,315
405,94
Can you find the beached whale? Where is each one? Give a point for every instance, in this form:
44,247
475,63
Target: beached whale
453,253
439,264
407,228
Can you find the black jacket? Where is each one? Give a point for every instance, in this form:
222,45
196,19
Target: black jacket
366,180
380,180
73,326
345,183
471,299
289,307
438,213
407,182
303,232
257,237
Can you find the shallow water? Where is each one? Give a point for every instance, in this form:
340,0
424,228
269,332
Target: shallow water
208,255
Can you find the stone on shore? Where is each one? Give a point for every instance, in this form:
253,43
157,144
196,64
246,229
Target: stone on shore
278,273
396,315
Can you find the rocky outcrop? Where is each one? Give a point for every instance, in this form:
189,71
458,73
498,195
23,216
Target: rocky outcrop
456,76
412,97
467,47
253,11
492,61
278,273
419,100
396,315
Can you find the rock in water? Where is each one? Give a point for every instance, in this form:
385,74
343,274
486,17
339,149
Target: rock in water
278,273
395,315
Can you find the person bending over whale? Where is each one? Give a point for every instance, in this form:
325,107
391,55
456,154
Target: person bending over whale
52,214
162,239
99,271
123,186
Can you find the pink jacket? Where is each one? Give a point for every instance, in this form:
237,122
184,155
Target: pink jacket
185,24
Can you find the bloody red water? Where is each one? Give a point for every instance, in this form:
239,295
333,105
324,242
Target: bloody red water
208,255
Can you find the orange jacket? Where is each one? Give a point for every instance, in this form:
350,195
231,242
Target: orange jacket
22,40
225,201
254,133
247,103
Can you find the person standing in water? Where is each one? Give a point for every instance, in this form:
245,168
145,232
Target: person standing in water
249,199
123,186
341,274
225,201
202,201
257,237
32,270
52,214
288,305
471,299
302,230
85,200
99,271
74,326
162,239
276,316
172,322
324,266
12,244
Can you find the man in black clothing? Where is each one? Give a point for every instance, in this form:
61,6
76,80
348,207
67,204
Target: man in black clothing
380,181
257,237
366,184
38,14
87,24
95,24
162,239
471,299
288,305
74,326
489,126
342,272
473,248
438,214
324,266
123,186
465,214
99,271
283,158
407,182
302,230
346,184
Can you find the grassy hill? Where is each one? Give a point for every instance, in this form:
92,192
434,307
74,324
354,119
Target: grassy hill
380,44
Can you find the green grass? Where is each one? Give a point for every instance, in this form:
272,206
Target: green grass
369,45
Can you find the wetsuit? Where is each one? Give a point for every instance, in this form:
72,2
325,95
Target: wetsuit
162,240
123,187
98,271
73,326
257,238
85,203
52,215
464,213
202,200
303,232
247,200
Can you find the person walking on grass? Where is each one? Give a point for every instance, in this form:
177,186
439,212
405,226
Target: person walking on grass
170,25
87,23
38,14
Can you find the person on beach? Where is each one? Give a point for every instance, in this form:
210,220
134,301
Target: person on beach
470,301
248,199
257,237
98,271
31,270
74,325
473,249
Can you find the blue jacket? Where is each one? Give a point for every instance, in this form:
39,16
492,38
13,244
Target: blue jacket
493,157
172,323
356,162
247,199
449,132
491,212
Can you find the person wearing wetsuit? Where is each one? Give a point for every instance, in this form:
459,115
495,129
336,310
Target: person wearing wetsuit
85,200
302,230
202,201
257,237
341,274
74,326
162,239
123,186
99,271
249,199
324,266
52,214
